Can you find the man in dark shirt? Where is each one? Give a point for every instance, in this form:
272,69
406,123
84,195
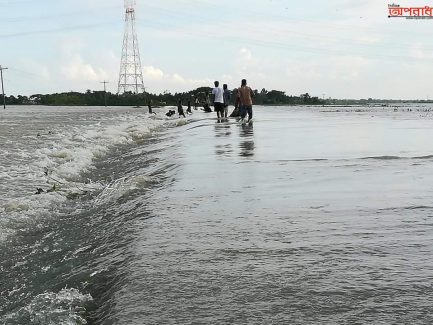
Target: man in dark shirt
226,96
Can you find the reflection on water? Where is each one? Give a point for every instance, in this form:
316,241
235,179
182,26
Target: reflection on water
268,235
223,150
247,140
223,130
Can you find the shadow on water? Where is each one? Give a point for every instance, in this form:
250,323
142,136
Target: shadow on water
246,145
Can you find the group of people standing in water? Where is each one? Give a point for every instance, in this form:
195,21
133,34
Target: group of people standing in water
221,98
243,100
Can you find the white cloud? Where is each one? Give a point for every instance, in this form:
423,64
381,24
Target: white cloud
246,54
249,66
156,80
150,72
417,51
73,67
78,70
178,79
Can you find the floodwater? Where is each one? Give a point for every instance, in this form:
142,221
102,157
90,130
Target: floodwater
311,215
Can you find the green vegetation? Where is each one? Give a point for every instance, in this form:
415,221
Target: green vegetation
96,98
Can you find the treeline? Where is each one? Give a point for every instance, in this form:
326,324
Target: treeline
376,102
97,98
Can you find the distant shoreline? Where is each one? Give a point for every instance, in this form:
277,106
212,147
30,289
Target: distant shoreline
373,105
200,95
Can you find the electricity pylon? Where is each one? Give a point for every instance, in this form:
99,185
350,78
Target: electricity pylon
131,75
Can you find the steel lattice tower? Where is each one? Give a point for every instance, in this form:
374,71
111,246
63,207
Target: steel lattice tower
131,75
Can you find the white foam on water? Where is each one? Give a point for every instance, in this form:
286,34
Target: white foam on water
58,158
122,187
17,212
78,148
65,307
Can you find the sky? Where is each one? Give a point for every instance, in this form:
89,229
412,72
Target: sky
332,48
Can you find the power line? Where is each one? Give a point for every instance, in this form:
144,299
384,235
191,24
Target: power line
286,31
56,30
60,15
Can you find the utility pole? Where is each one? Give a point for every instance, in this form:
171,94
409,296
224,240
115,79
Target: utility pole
105,91
3,88
144,94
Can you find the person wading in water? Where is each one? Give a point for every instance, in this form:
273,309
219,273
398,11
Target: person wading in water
245,95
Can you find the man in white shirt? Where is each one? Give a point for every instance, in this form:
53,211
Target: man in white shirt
218,99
